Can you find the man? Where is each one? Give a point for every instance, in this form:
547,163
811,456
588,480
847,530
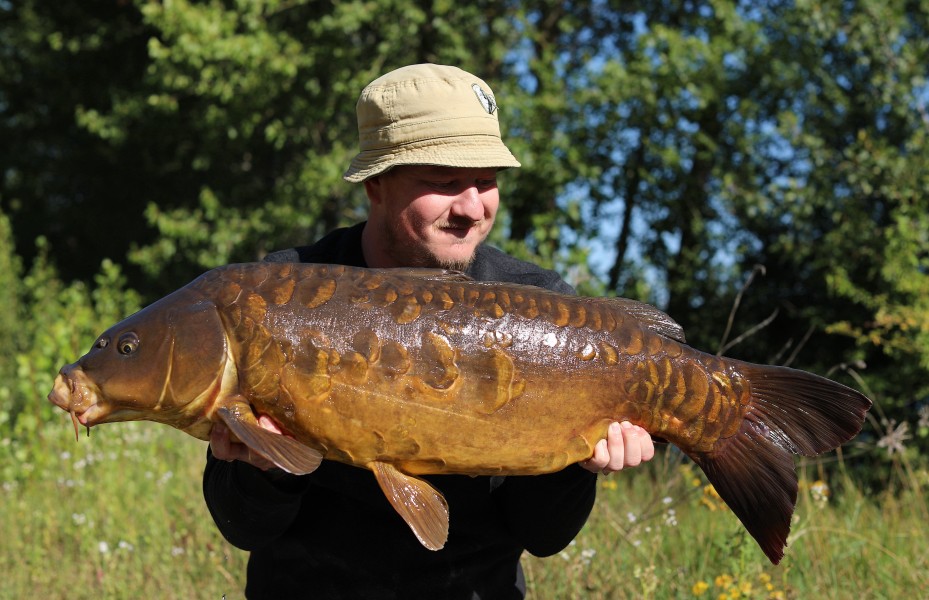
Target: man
430,152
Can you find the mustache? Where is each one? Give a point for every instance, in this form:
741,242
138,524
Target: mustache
458,223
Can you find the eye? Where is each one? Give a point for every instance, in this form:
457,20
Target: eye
127,344
442,186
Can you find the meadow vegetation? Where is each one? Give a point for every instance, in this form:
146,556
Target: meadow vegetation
120,515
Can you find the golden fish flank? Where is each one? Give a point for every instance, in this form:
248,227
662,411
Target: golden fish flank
414,371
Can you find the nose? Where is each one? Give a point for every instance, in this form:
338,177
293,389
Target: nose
468,204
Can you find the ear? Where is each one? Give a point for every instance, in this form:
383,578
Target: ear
374,189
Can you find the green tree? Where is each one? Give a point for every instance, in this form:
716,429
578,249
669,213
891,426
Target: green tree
197,133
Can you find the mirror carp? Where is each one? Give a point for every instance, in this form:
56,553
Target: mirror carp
409,372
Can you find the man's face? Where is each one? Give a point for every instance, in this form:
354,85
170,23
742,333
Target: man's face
429,216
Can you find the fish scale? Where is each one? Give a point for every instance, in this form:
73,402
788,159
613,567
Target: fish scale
408,372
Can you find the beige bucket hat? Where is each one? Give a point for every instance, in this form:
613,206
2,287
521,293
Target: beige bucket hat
427,115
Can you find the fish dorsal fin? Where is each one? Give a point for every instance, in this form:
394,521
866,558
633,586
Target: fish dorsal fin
426,273
655,319
285,452
422,506
652,317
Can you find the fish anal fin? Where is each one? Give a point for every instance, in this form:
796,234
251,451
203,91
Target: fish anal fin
422,506
756,479
285,452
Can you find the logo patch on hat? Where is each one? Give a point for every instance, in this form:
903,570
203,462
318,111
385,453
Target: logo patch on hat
487,101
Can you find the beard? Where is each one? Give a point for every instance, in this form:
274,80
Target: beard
416,255
457,265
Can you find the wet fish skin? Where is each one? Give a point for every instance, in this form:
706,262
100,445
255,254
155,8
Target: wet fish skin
411,372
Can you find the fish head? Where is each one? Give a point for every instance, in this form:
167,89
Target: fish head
165,363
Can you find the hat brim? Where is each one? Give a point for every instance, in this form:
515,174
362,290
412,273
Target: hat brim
473,151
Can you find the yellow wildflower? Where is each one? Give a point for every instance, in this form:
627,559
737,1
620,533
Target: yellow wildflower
820,492
700,588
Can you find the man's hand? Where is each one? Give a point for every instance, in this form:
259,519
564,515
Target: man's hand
626,445
225,449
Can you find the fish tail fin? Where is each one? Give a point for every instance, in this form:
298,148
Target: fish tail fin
791,412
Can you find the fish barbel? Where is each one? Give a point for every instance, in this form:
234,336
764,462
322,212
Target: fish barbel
409,372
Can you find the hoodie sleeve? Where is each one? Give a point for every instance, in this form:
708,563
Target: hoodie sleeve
251,507
545,512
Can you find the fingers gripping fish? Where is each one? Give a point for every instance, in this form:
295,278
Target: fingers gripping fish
408,372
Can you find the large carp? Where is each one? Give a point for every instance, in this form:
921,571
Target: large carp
408,372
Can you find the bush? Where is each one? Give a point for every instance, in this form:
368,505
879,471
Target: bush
45,324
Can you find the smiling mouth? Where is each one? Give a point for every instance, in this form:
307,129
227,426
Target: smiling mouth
458,232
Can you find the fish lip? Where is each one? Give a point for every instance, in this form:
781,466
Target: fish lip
76,397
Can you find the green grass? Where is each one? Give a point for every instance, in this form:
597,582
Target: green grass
660,532
120,515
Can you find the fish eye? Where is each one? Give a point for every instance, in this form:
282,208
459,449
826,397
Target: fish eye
128,343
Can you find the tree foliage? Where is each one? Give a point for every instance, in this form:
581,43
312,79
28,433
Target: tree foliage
668,148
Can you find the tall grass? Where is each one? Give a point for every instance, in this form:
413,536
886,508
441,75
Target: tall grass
120,515
661,532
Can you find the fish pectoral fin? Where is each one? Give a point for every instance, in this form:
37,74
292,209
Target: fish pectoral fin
422,506
285,452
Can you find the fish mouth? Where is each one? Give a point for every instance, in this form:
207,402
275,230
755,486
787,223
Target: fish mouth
76,397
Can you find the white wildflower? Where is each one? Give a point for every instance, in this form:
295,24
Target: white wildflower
896,435
586,555
103,547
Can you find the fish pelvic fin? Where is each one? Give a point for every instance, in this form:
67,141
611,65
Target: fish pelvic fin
285,452
422,506
791,412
